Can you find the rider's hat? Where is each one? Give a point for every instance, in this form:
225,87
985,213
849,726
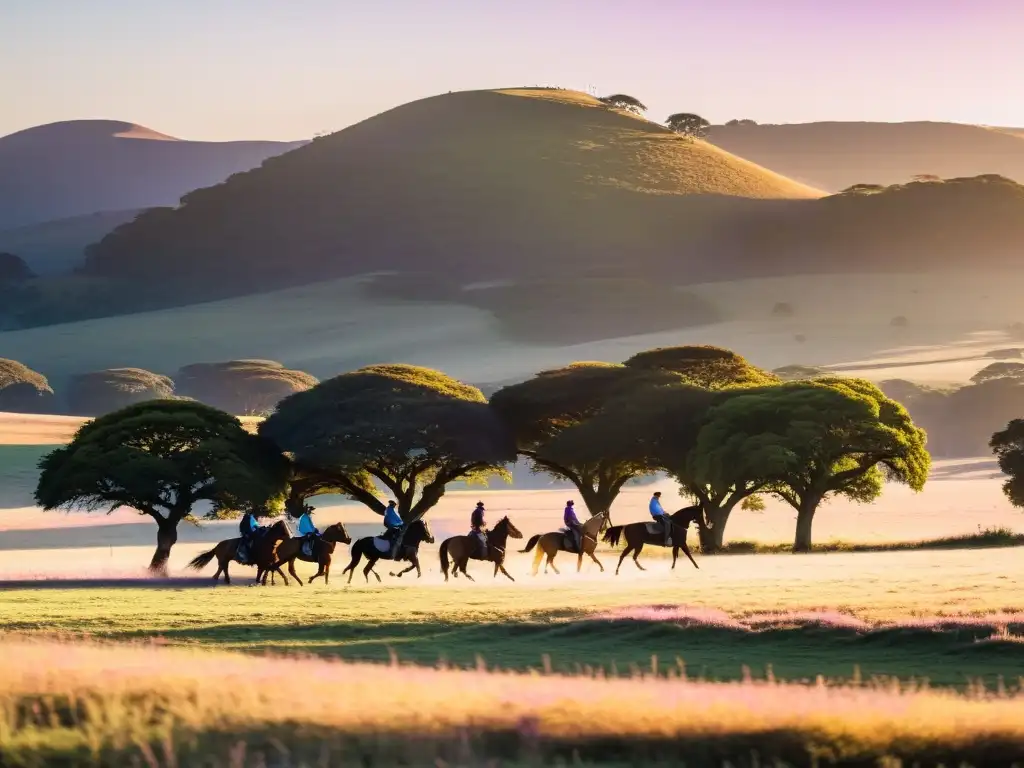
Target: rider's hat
569,503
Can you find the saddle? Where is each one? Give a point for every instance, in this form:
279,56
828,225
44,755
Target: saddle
481,545
569,540
657,529
309,545
383,545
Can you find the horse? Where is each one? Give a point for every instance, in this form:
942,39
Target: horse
262,554
552,543
462,548
291,549
417,533
638,534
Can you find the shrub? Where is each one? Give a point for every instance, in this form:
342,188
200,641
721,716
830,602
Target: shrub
242,387
23,390
100,392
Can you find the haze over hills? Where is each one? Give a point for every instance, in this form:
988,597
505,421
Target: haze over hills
78,167
837,155
56,247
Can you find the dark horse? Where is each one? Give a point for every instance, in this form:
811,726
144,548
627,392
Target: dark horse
638,534
262,553
292,549
368,547
462,548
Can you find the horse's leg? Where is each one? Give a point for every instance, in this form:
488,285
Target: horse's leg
291,570
404,570
551,562
497,565
686,551
350,569
675,556
594,558
327,571
537,557
416,562
636,553
224,568
501,565
579,561
370,562
626,551
463,563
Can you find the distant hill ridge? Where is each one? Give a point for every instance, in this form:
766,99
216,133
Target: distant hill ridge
837,155
79,167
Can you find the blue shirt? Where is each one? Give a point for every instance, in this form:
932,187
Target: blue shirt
306,525
655,507
391,518
253,525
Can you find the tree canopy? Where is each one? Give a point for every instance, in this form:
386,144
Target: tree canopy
13,269
161,458
413,430
550,417
23,390
1007,370
99,392
703,366
688,124
808,441
1008,446
243,387
624,102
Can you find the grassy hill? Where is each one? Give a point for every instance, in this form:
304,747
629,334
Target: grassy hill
486,184
78,167
55,247
834,156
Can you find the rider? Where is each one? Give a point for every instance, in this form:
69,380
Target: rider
478,528
392,525
306,527
660,516
573,524
248,527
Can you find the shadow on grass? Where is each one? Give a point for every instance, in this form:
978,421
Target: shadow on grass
988,538
949,656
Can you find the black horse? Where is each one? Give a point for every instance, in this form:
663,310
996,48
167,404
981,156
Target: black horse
638,534
375,548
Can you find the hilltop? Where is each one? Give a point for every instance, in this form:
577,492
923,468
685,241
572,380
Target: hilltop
481,184
68,169
837,155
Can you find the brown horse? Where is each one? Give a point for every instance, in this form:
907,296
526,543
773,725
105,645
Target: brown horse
464,548
637,534
263,554
291,549
415,534
552,543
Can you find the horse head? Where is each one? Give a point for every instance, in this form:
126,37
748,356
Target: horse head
605,519
425,533
278,530
687,515
510,530
337,532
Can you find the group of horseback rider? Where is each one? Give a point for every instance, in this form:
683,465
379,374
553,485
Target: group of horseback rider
394,525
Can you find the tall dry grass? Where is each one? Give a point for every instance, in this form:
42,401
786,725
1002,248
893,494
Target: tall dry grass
88,703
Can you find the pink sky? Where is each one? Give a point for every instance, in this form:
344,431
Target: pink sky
230,69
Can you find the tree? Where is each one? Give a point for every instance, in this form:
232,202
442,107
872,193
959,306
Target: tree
811,440
162,458
796,372
414,430
23,390
703,366
99,392
1008,446
549,416
746,122
13,269
624,102
999,371
243,387
687,124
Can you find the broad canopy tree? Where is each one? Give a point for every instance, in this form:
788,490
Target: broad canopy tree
688,124
550,414
162,458
413,430
807,441
624,102
1008,446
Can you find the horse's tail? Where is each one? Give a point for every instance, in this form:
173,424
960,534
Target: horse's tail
531,543
202,560
444,557
612,535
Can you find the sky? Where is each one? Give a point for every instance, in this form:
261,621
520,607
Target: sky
219,70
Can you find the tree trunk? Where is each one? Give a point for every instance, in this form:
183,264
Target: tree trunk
712,537
166,537
804,520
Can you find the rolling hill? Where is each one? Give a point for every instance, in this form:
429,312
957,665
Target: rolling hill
835,155
483,184
69,169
